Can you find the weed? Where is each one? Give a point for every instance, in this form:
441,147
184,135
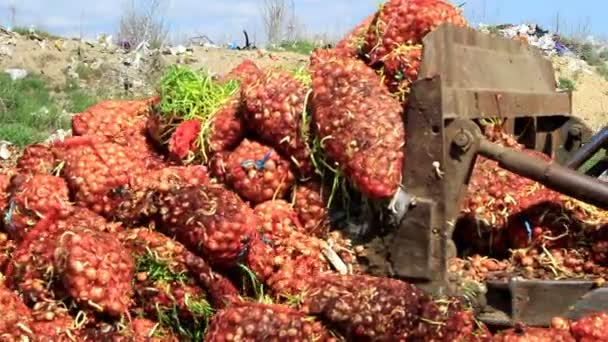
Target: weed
24,31
602,70
566,84
87,73
28,112
300,46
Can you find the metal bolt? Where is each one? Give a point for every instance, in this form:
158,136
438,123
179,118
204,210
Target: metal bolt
575,131
462,140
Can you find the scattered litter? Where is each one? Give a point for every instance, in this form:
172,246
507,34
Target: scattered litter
5,154
16,74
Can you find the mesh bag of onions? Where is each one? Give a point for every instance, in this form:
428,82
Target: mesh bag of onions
359,122
98,172
353,43
407,22
260,322
196,116
33,197
37,159
257,172
210,220
275,112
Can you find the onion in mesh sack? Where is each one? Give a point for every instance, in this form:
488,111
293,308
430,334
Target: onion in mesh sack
446,319
246,72
31,198
275,111
7,246
96,270
6,174
98,172
136,330
283,257
160,258
522,334
16,319
400,69
120,122
32,268
196,117
112,118
360,125
137,206
261,322
210,220
310,204
257,172
591,328
354,42
364,307
407,22
37,159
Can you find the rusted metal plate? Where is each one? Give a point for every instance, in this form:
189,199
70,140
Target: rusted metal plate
537,302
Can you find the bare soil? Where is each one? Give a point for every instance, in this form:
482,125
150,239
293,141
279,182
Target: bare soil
55,58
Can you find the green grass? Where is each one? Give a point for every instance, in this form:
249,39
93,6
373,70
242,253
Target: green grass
29,112
566,84
88,73
592,161
301,46
602,70
24,31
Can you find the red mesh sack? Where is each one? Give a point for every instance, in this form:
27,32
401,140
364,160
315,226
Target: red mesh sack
359,122
137,204
7,246
152,249
310,204
257,172
33,197
274,111
112,118
354,42
37,159
210,220
591,328
246,72
445,319
16,318
6,174
138,329
228,127
32,268
258,322
120,122
400,69
364,307
96,270
183,140
534,334
407,22
98,172
278,218
285,258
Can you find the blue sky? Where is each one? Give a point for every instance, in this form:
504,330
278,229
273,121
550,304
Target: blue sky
224,20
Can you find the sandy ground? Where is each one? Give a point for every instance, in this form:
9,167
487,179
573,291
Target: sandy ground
52,59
